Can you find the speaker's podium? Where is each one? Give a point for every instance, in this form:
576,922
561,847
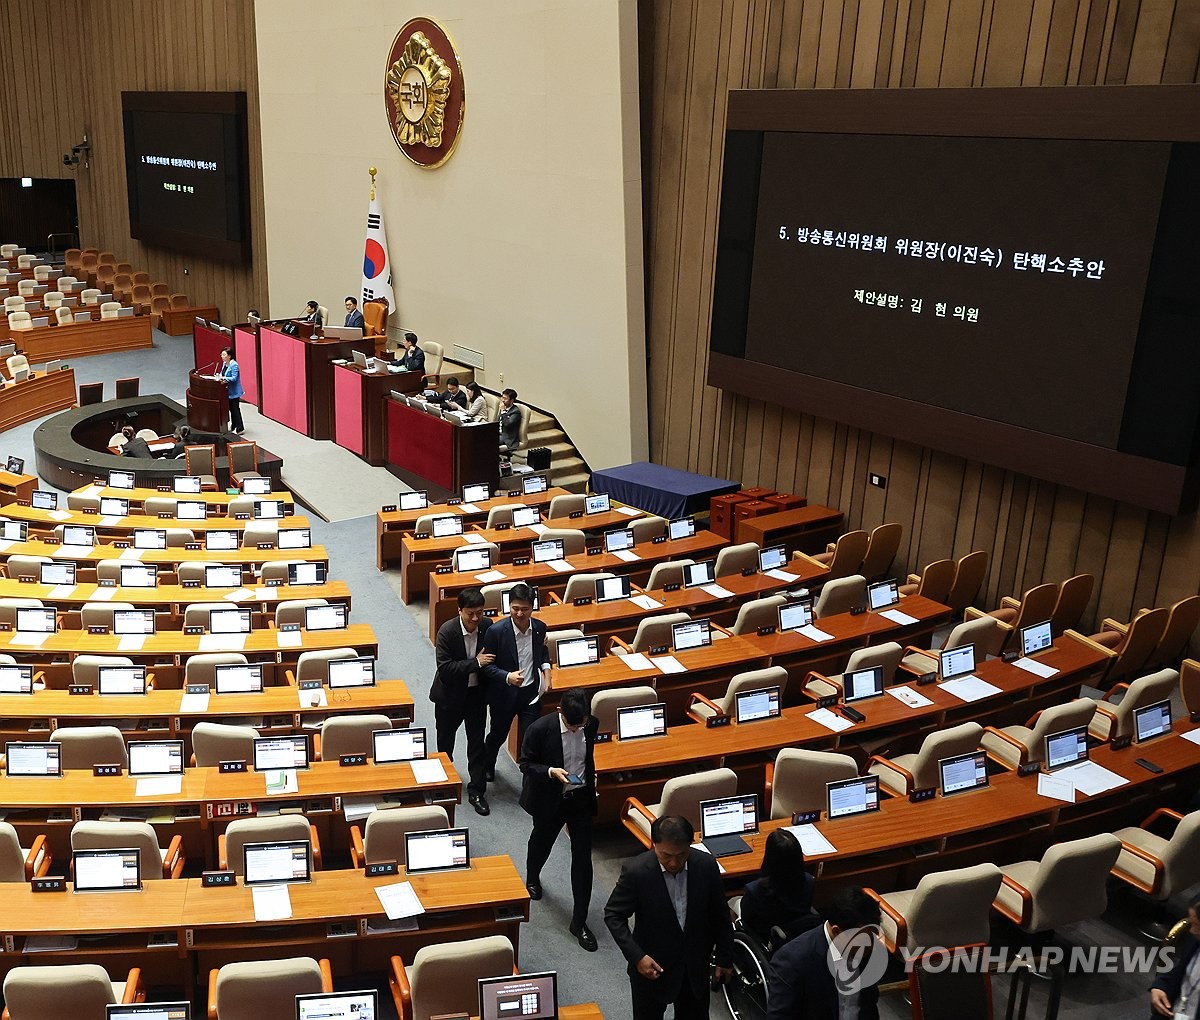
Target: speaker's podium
207,403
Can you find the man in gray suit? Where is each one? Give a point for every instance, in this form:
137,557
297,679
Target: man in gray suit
510,421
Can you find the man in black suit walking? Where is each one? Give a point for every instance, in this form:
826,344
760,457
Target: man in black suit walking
559,788
515,679
459,691
675,896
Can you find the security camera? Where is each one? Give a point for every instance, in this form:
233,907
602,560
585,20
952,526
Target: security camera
70,158
80,151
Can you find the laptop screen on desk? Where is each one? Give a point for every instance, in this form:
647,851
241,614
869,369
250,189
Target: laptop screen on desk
862,683
120,479
149,1011
133,621
229,621
338,1006
642,721
33,758
1152,721
525,516
32,620
306,573
14,531
121,679
956,662
56,573
413,500
697,574
963,772
16,679
751,706
280,752
156,757
1066,747
610,589
1036,638
681,527
444,527
235,678
222,540
191,510
256,485
882,595
398,745
150,538
544,552
729,816
436,850
218,575
186,483
795,615
852,796
294,538
578,651
114,506
693,634
139,575
325,617
616,541
106,870
469,560
519,996
772,558
477,493
282,861
597,504
268,509
78,534
43,499
531,484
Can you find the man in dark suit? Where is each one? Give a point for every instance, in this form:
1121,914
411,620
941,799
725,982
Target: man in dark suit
559,788
515,679
453,397
135,446
800,981
353,316
459,691
1178,990
675,896
413,358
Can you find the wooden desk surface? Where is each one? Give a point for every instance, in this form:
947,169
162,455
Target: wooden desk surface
48,520
170,595
157,906
140,495
79,339
172,555
406,520
41,394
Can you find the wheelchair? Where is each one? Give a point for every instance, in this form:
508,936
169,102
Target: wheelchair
745,992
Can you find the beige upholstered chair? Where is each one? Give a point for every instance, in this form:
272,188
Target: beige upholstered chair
444,979
492,547
651,632
257,533
757,613
315,665
646,529
277,570
383,838
265,829
1189,685
497,515
907,772
22,566
796,781
1013,746
1113,721
681,795
90,296
194,570
841,595
887,655
198,613
1074,594
574,541
85,746
1160,866
701,708
85,669
1182,619
155,505
243,460
349,734
154,861
985,632
10,605
1068,885
555,636
19,321
670,572
213,743
882,547
100,614
947,908
69,991
110,309
1034,606
564,506
932,583
52,299
291,612
64,315
606,703
18,864
77,501
435,354
255,991
242,505
202,668
201,459
14,303
493,594
733,559
843,557
584,585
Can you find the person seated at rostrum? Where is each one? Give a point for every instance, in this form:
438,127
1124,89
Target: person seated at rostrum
312,313
477,409
353,316
413,358
452,394
510,421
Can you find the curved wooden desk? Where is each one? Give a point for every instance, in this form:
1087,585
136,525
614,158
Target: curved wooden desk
45,521
79,339
39,395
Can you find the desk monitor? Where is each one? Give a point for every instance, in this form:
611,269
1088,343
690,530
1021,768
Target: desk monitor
1151,721
149,1011
187,483
547,550
114,506
447,525
470,559
229,621
356,672
79,534
505,601
284,861
696,575
56,573
139,575
121,679
235,678
598,504
610,589
851,796
359,358
332,617
44,499
289,752
14,531
106,870
1066,747
724,821
774,557
681,527
519,996
436,850
525,516
642,721
882,595
433,410
692,634
256,485
124,312
83,316
268,509
53,366
15,465
956,662
156,757
306,573
1037,637
532,484
121,479
389,746
347,333
16,679
964,772
616,541
36,620
33,758
191,510
413,500
751,706
293,538
479,492
582,651
133,621
862,684
338,1005
221,540
102,298
151,538
221,575
794,615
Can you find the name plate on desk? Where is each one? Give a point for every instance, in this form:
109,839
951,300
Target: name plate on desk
197,689
193,630
444,569
575,515
382,868
231,766
165,515
388,508
768,630
217,879
266,545
916,796
658,539
1010,656
604,737
192,546
514,493
1120,743
1030,768
241,516
714,721
454,502
48,884
120,544
925,679
97,628
583,600
504,527
310,685
352,759
418,536
27,579
596,550
191,584
79,688
660,649
161,488
674,586
828,701
5,628
805,817
291,628
749,571
113,769
857,610
275,582
90,510
521,561
1195,716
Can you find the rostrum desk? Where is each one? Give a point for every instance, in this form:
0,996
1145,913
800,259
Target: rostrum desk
207,402
429,452
360,407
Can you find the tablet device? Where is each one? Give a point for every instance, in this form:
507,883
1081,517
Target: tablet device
139,575
268,509
610,589
186,483
220,540
35,620
577,651
282,861
1037,637
150,538
692,634
436,850
33,758
851,796
598,504
156,757
477,493
236,678
1066,747
963,772
106,870
1151,721
525,516
229,621
16,679
133,621
523,996
772,558
956,662
531,484
120,479
356,672
44,499
288,752
447,525
413,500
221,575
752,706
389,746
121,679
191,510
149,1011
332,617
882,595
338,1006
682,527
724,821
547,550
469,559
256,485
78,534
114,506
616,541
14,531
56,573
642,721
293,538
696,575
862,684
306,573
505,601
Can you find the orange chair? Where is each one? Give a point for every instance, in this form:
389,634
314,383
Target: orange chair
179,301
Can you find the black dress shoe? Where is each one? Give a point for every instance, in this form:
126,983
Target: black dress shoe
535,890
479,802
586,939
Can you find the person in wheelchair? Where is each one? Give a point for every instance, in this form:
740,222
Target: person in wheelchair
781,898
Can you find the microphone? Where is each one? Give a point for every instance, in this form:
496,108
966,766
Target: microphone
206,368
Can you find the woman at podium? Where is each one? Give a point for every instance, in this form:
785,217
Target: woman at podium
232,376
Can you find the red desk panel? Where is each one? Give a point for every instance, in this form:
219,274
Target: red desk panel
245,345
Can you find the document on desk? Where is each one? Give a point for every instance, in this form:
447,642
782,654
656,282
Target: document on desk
73,552
1192,735
907,696
824,717
193,703
271,902
356,807
281,781
59,515
228,642
1035,667
782,575
265,594
239,595
814,633
50,943
626,555
635,660
108,522
305,697
812,842
1056,788
468,508
898,617
399,900
131,643
488,576
4,544
28,639
63,591
668,664
561,566
159,786
645,602
429,770
628,511
92,490
1090,779
288,639
473,538
103,595
716,591
970,688
131,554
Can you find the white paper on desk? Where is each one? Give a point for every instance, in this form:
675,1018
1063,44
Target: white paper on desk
399,900
281,781
131,643
537,529
131,554
561,566
628,511
645,602
287,638
824,717
812,841
669,664
716,591
307,694
1192,735
50,943
92,490
1090,779
159,786
356,808
193,703
27,639
626,555
907,696
4,544
970,688
488,576
58,515
429,770
73,552
62,591
271,902
225,642
240,595
468,508
265,594
898,617
108,522
1056,788
814,633
1035,667
473,538
102,595
635,660
782,575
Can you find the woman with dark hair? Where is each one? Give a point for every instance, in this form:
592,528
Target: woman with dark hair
477,406
782,895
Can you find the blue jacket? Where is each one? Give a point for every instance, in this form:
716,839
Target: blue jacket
233,378
355,318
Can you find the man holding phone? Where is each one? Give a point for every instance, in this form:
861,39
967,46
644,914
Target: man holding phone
559,788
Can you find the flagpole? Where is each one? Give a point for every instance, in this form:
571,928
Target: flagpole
372,171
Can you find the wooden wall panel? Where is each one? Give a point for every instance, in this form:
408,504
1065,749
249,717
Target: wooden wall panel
1033,530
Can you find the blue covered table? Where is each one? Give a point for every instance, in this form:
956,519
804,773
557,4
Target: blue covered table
661,490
